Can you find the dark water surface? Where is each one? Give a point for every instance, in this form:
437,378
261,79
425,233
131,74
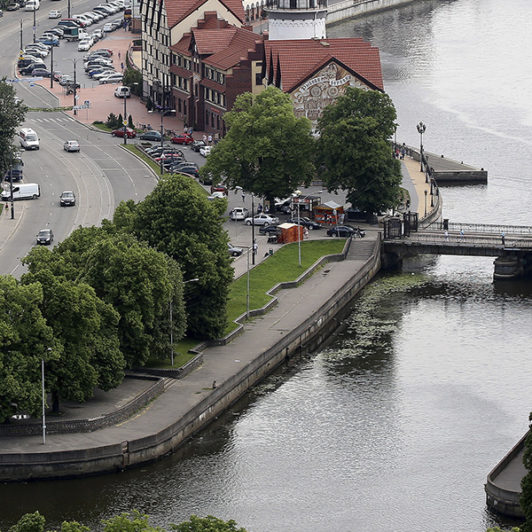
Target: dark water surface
395,425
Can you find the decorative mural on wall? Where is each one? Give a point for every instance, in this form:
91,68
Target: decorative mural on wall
311,97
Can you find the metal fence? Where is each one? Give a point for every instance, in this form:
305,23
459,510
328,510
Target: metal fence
481,228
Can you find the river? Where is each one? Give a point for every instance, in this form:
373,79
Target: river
394,426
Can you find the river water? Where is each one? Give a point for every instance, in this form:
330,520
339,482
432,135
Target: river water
394,426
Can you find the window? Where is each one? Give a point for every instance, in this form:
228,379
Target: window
258,79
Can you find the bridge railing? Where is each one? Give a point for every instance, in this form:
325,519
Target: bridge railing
478,239
481,228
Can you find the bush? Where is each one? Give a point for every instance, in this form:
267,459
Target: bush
113,121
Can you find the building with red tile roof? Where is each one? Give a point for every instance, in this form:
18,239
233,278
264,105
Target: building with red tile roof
314,72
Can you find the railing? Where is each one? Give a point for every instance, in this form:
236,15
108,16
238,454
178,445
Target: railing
482,228
477,240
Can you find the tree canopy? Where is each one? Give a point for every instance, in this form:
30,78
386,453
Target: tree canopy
353,150
12,113
26,339
177,219
267,150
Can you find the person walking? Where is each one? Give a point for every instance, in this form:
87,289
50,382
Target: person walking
503,238
243,196
255,247
205,139
209,139
446,235
461,235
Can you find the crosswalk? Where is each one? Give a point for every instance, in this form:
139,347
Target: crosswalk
61,120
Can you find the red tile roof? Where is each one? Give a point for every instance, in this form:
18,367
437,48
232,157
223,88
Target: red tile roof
177,10
299,59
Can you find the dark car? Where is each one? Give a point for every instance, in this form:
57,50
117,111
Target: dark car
67,199
341,230
27,70
219,188
153,136
305,222
13,6
182,139
131,133
40,72
185,168
15,172
196,145
268,229
45,237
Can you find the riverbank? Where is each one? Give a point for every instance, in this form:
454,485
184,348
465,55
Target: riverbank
303,318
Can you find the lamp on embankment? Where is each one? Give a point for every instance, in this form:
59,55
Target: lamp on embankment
421,127
426,202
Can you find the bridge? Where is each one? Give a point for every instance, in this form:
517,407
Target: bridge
511,245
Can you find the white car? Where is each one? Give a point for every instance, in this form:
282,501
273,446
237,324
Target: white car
262,219
71,145
107,27
238,213
216,195
112,78
55,13
84,45
205,150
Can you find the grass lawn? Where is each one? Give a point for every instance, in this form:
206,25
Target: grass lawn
181,355
282,266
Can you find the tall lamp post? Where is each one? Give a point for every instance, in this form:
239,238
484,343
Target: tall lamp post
163,114
421,127
425,203
34,23
125,117
299,199
21,42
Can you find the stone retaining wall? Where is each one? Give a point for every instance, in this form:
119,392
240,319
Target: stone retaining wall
357,8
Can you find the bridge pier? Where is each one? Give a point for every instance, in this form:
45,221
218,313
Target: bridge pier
512,265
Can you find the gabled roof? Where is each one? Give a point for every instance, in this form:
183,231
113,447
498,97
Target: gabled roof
221,48
178,10
295,60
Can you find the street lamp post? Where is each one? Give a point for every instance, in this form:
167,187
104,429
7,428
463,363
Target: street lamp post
52,67
21,41
68,9
125,121
163,113
299,199
11,192
425,203
74,61
421,127
34,23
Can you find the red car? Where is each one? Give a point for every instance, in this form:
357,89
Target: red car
185,138
219,188
131,133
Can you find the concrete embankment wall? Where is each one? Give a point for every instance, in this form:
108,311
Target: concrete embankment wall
309,334
356,8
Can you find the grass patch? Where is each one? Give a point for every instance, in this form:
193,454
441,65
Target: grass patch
101,126
181,355
282,266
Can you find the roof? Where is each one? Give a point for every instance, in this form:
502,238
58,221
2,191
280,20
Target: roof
296,60
178,10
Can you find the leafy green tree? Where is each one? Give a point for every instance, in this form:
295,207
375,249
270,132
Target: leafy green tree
12,114
87,329
34,522
526,483
353,150
207,524
267,150
129,522
26,339
177,219
133,79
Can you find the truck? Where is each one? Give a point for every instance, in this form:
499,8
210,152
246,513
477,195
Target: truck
15,172
70,33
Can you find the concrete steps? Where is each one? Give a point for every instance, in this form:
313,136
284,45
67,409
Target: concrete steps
360,249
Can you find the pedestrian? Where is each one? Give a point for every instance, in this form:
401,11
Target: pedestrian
190,130
7,207
243,196
446,234
403,152
213,384
259,208
305,232
209,139
461,235
255,248
205,139
122,66
118,55
502,238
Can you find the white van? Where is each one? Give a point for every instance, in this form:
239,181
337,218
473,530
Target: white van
122,92
32,5
22,191
28,139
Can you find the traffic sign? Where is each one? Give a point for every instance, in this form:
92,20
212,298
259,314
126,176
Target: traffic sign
124,122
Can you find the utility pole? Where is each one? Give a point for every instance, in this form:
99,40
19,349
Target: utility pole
21,42
11,191
52,67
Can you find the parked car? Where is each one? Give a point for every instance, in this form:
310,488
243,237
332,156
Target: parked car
219,188
108,27
234,251
130,133
268,229
40,72
216,195
45,237
67,199
102,72
153,136
184,138
84,45
122,92
49,41
262,219
239,213
71,145
305,222
341,230
13,6
185,168
27,70
58,32
196,145
205,150
112,78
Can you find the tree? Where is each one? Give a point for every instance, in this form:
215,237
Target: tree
353,150
12,113
207,524
86,327
526,483
177,219
26,339
129,522
133,79
267,150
